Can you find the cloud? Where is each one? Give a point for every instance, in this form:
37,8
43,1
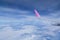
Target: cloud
30,27
55,14
13,12
25,33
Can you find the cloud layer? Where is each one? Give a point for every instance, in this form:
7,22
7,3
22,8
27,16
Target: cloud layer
29,27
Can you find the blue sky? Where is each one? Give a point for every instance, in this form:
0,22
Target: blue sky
19,22
43,6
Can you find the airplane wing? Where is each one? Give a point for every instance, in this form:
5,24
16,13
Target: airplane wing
36,12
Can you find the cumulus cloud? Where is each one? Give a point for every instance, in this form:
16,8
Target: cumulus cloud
30,27
26,33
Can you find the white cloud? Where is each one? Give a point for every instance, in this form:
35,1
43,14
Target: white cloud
55,14
30,25
8,33
8,11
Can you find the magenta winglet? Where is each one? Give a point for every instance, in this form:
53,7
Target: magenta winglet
36,12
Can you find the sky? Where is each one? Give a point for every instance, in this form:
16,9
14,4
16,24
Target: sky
19,22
